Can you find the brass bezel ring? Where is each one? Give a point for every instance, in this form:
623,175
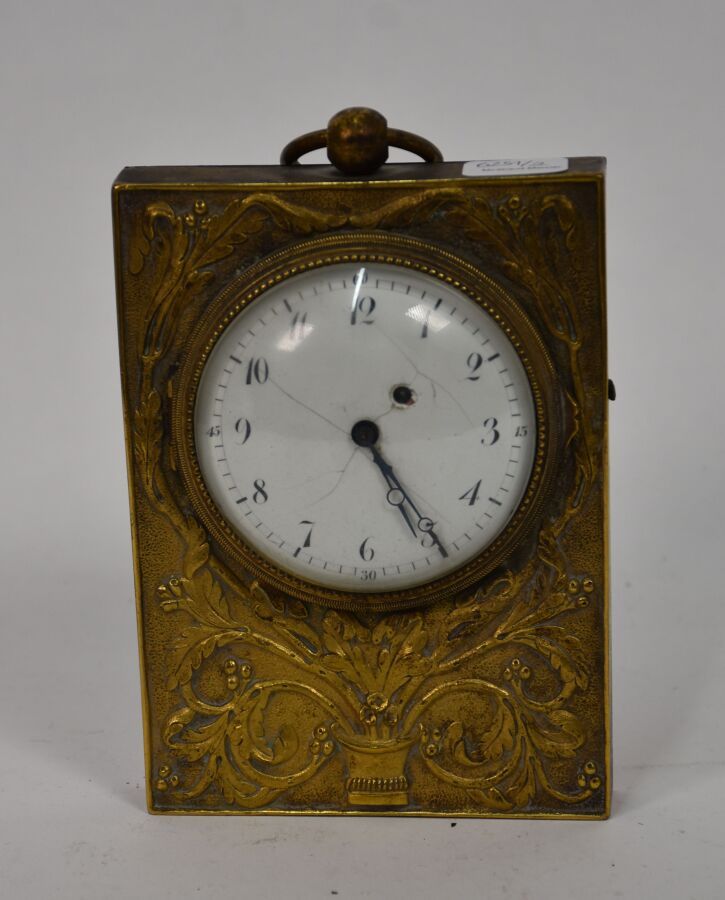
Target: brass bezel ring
428,259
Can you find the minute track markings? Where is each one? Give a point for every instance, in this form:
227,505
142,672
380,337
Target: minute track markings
499,391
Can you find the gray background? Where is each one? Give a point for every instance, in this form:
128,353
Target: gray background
86,88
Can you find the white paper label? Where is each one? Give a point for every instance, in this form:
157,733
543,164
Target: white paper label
485,168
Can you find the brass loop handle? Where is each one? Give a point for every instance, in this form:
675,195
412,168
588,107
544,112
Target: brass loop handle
357,141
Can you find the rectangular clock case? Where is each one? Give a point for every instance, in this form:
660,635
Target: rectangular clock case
492,702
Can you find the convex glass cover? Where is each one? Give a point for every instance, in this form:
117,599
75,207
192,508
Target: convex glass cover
365,426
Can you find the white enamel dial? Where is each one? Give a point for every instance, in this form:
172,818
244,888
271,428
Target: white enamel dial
365,427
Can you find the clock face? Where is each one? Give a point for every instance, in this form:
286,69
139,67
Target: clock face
365,427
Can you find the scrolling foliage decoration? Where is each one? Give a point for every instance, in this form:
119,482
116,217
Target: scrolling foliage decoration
385,695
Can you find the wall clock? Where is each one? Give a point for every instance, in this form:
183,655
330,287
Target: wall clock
365,412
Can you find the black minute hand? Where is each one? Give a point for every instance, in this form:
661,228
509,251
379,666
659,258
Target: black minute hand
398,496
366,434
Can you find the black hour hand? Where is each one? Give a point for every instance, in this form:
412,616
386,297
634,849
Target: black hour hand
366,434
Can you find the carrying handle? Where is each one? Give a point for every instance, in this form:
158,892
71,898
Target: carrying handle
357,141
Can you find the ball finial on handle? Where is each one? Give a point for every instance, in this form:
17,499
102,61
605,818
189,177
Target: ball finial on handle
357,141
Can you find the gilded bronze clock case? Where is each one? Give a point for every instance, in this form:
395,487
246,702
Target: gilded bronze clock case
492,699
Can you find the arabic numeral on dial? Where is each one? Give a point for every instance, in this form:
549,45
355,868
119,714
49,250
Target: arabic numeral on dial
427,525
362,311
426,321
471,494
368,574
490,432
257,370
361,276
243,428
214,431
309,532
260,494
474,363
521,431
366,553
308,539
298,326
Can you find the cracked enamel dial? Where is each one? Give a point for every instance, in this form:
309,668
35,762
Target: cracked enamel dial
367,428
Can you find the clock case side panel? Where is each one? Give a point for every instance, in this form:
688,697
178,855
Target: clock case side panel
147,216
128,371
